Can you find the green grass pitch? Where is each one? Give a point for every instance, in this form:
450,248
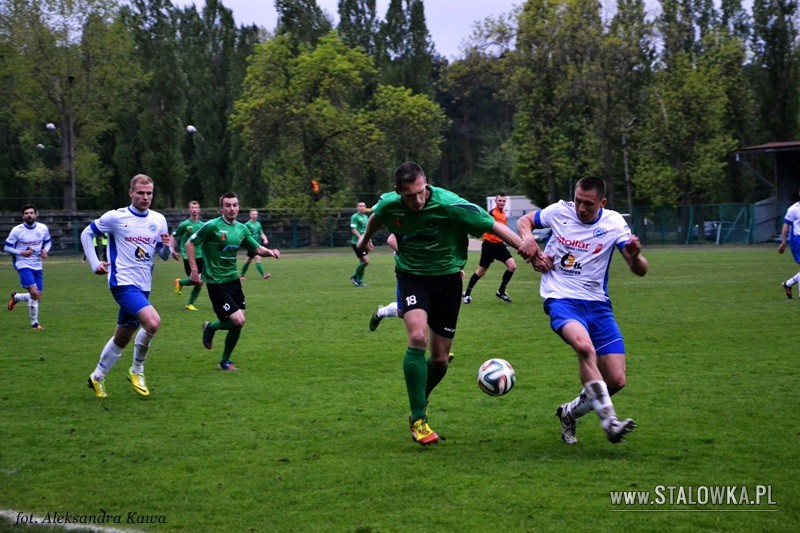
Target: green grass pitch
311,434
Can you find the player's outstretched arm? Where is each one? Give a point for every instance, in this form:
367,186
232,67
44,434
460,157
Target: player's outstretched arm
529,249
263,251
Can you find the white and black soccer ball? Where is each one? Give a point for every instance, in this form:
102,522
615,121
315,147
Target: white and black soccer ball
496,377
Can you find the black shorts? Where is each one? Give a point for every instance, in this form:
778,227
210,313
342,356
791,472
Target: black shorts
493,251
439,296
226,298
359,254
251,253
188,269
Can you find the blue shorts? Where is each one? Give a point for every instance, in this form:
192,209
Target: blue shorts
794,246
131,300
29,276
596,317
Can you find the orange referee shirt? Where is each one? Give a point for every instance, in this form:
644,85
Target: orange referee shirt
500,216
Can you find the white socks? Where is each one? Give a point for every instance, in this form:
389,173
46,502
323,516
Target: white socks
579,406
794,280
389,310
33,310
108,358
140,348
600,400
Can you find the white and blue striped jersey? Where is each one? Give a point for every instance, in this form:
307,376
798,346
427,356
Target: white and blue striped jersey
23,237
582,252
134,238
792,218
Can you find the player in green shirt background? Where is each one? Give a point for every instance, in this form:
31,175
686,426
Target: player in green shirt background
257,231
358,223
220,239
432,227
180,235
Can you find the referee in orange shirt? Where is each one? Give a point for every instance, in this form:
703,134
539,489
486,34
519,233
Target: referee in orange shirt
494,249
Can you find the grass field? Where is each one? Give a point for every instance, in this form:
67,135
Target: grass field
311,434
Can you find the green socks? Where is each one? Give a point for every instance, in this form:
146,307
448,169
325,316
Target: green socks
435,374
416,373
230,343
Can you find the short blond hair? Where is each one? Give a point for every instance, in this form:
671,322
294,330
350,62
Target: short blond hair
140,178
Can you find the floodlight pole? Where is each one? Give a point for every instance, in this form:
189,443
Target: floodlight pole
628,187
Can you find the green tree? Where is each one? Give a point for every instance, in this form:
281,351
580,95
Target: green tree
626,60
70,67
411,126
358,25
298,118
160,107
556,72
406,58
301,117
302,21
211,58
684,145
775,62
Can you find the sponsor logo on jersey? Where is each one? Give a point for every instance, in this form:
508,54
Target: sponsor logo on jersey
140,239
570,265
141,254
574,244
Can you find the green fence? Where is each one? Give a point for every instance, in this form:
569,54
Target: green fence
718,224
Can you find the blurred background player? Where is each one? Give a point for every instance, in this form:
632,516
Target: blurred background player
257,231
220,238
574,270
358,223
791,233
29,243
493,249
136,235
180,235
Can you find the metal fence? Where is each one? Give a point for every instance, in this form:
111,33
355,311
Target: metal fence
718,223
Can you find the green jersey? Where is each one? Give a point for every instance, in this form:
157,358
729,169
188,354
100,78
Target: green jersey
358,222
255,229
220,242
435,240
182,233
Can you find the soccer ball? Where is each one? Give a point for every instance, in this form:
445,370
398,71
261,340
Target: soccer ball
496,377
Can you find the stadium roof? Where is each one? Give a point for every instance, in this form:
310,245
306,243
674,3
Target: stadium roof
788,146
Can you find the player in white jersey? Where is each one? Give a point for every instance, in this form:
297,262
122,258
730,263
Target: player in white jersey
791,233
135,235
574,270
29,243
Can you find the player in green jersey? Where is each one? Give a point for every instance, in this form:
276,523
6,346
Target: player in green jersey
220,240
358,223
258,234
432,226
180,235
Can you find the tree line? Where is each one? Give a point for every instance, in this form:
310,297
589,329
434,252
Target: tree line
312,115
